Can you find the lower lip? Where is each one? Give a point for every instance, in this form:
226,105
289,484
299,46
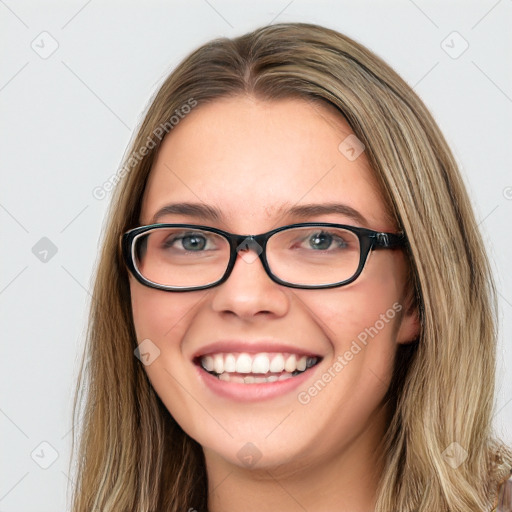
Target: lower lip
253,392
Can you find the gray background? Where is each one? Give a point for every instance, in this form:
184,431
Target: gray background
67,118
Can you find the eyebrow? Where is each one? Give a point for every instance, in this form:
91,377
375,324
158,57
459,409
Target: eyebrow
211,213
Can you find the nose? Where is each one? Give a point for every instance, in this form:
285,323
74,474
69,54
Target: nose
249,292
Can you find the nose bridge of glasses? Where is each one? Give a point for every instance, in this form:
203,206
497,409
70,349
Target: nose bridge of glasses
249,247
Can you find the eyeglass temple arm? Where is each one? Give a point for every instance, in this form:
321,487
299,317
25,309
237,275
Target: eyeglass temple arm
389,240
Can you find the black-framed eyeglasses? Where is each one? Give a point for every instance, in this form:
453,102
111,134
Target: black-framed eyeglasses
186,257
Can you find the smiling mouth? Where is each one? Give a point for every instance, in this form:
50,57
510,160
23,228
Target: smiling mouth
245,368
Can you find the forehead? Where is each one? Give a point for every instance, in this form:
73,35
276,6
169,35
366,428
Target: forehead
252,160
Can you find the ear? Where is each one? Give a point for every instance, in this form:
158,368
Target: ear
410,324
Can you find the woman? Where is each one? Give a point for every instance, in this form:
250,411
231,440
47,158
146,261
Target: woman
293,307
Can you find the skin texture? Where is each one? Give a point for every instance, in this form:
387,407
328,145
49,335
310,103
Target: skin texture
252,160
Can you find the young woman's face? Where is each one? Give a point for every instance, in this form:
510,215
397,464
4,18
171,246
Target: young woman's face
253,162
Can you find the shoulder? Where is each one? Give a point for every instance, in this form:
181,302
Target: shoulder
504,498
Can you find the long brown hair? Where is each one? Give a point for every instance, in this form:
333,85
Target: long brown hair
132,455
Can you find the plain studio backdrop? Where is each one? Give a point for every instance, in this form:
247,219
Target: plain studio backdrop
75,79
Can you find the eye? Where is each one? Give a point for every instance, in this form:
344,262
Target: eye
324,240
190,242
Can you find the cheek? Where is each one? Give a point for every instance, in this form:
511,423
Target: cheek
349,313
361,322
161,316
148,310
164,319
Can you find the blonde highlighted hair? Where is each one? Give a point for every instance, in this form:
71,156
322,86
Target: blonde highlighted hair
130,453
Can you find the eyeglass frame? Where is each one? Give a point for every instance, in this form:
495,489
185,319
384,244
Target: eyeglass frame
368,240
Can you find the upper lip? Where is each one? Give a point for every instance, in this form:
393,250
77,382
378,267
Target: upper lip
251,347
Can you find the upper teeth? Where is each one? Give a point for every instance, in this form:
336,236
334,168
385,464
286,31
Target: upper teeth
256,363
